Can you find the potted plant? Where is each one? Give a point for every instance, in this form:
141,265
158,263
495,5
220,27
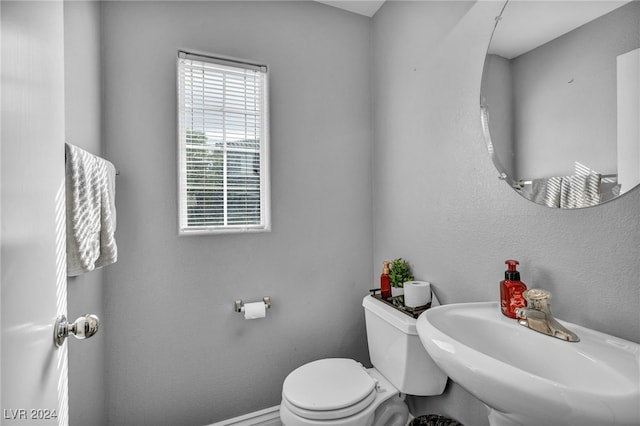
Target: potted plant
399,273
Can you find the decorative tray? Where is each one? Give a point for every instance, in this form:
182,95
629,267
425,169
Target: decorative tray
397,302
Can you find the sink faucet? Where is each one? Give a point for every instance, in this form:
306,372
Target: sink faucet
537,316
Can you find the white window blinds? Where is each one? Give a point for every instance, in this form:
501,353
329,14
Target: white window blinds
223,145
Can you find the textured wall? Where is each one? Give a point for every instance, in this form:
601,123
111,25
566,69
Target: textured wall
439,204
83,128
177,353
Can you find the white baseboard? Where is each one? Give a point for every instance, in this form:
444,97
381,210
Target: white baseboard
267,417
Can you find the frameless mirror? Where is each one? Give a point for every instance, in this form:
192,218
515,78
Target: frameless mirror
560,100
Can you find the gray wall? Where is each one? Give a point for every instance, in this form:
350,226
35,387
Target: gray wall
438,202
565,97
83,128
177,353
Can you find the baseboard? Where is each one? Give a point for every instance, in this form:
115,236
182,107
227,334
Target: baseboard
267,417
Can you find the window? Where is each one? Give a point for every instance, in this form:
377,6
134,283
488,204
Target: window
223,146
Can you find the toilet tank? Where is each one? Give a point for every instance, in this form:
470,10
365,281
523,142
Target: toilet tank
396,351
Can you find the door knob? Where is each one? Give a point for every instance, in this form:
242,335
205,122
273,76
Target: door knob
82,328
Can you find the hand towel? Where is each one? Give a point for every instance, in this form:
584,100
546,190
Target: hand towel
580,191
568,192
553,189
91,211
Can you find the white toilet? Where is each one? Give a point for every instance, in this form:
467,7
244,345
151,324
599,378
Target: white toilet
339,391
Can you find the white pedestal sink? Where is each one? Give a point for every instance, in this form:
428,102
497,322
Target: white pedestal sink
528,378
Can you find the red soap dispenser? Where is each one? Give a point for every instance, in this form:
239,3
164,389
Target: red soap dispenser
511,289
385,284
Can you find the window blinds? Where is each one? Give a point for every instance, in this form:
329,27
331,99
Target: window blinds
223,145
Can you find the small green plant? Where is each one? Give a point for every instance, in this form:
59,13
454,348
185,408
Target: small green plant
399,273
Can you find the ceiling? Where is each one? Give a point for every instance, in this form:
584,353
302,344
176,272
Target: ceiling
362,7
527,24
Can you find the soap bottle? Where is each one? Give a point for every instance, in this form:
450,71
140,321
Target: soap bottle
511,289
385,284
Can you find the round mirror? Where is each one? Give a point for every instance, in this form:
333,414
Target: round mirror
560,100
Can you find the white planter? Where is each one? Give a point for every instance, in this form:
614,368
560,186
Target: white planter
397,291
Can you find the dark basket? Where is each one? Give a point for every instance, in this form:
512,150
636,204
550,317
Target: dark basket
434,420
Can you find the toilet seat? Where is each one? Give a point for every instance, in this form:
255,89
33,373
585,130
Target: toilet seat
328,389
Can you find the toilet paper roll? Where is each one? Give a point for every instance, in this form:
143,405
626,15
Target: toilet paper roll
255,310
417,293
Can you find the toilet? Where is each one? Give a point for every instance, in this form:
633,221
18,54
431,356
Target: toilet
341,392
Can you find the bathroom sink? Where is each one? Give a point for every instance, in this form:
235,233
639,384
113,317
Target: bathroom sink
525,377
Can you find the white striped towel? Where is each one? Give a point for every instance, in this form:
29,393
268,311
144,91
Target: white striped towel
569,192
91,211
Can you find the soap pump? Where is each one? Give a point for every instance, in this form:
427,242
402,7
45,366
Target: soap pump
511,289
385,284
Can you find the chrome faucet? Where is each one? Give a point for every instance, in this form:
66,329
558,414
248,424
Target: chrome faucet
537,316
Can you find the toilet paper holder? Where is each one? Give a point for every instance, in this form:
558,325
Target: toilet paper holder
239,304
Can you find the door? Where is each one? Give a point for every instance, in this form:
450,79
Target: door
32,257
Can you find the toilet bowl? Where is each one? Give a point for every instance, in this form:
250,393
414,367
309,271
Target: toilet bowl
341,392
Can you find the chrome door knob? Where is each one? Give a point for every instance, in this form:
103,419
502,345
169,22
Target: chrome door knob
82,328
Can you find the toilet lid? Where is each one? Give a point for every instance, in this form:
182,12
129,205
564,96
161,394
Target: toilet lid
329,388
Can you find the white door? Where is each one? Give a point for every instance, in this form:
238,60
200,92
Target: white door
32,268
628,102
